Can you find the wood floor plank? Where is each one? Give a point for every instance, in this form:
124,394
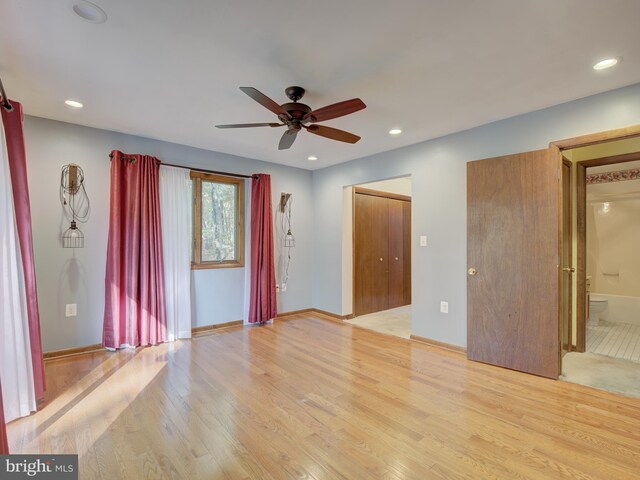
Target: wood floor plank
314,399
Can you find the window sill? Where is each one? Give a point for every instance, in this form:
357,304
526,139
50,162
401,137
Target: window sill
214,265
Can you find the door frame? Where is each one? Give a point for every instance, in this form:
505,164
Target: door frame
569,346
581,186
555,149
376,193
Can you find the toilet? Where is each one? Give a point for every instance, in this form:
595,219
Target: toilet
597,305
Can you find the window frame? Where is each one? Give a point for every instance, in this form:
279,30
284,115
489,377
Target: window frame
196,262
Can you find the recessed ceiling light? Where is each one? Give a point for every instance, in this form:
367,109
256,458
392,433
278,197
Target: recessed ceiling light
606,63
312,158
73,103
395,131
89,12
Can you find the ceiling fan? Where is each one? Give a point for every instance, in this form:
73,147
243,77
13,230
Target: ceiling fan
295,116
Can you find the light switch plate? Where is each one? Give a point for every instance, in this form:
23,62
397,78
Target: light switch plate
444,307
71,310
283,288
423,240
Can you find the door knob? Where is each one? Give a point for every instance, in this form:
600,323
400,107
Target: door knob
472,271
381,259
569,269
396,258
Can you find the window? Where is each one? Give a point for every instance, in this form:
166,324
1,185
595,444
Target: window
218,221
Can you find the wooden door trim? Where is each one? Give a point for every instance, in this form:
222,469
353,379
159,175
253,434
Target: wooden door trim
581,263
353,252
569,346
378,193
595,138
555,152
599,162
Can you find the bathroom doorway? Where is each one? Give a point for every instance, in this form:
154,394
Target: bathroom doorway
612,281
606,347
608,189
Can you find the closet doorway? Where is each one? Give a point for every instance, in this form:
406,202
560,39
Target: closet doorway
382,251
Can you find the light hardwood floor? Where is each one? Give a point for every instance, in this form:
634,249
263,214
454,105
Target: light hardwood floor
314,399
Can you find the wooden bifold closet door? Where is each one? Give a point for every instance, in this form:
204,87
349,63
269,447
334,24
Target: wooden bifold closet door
382,251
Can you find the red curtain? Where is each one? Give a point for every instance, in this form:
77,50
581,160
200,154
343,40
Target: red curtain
262,306
4,444
134,311
14,132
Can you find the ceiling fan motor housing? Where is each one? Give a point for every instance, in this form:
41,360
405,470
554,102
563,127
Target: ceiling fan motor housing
296,110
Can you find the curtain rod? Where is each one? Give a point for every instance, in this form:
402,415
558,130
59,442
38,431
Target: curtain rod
5,100
226,174
203,170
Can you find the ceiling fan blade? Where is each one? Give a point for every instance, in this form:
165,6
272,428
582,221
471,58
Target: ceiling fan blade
287,139
333,133
265,101
334,111
247,125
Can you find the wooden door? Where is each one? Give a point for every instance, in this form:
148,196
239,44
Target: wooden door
396,253
371,254
406,252
399,253
513,255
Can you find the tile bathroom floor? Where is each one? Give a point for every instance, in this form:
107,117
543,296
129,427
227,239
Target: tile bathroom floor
614,339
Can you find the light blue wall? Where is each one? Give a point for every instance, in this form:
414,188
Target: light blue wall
438,172
77,276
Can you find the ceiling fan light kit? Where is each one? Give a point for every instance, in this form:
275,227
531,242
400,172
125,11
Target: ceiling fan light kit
295,116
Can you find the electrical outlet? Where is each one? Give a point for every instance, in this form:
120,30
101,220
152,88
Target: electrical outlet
423,240
283,288
444,307
277,288
71,310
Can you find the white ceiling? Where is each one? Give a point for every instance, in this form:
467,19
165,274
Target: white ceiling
171,70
